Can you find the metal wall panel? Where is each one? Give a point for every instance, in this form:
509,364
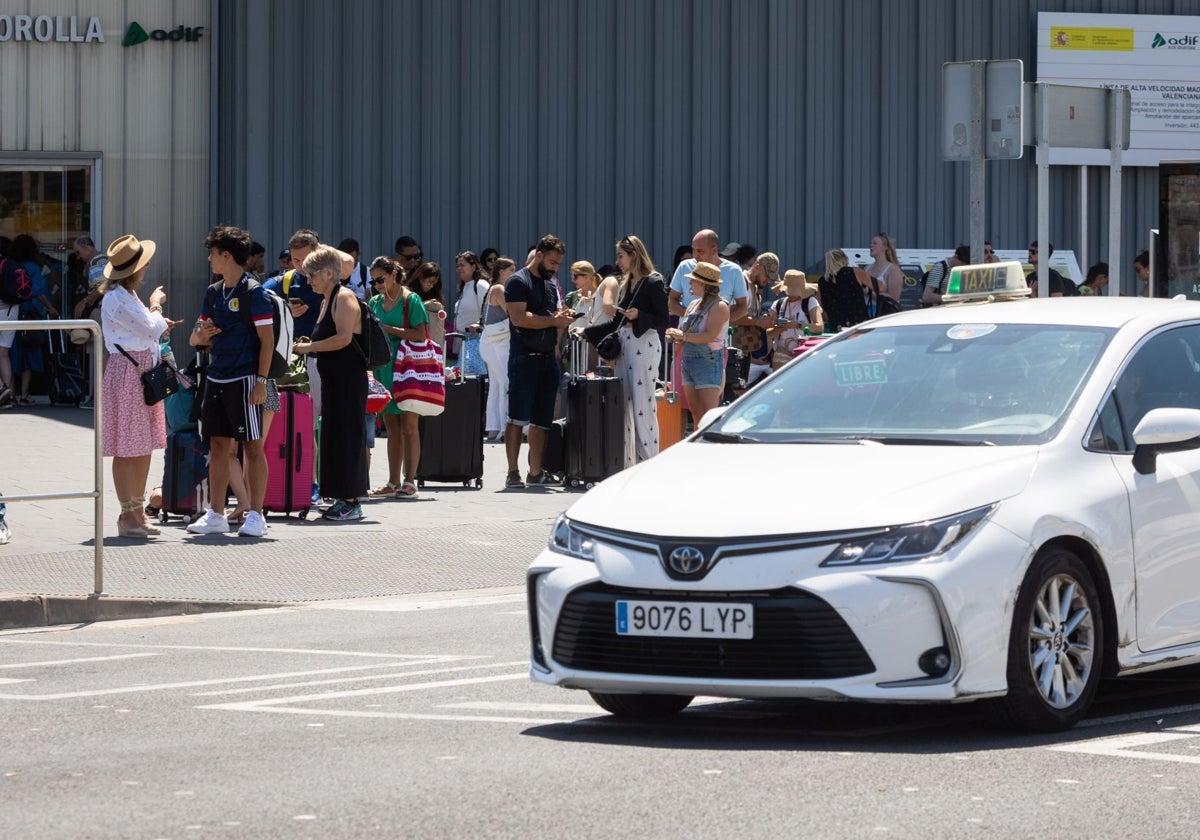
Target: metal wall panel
143,109
794,125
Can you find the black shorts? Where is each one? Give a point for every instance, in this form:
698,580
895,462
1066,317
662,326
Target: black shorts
532,389
226,411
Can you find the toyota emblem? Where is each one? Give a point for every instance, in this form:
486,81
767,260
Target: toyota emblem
686,560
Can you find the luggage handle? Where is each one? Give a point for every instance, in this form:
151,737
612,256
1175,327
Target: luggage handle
299,451
669,388
577,355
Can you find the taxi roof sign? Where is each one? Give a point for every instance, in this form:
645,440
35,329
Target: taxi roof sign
989,281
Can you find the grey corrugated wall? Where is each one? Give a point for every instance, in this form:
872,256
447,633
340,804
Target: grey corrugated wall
793,125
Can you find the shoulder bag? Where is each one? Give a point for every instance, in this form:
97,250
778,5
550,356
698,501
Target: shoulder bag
378,349
159,382
419,375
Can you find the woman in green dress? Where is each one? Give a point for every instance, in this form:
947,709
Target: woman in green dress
403,317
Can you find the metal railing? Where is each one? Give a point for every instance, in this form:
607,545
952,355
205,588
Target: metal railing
97,492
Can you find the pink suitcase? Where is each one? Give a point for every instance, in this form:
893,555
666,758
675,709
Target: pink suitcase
290,453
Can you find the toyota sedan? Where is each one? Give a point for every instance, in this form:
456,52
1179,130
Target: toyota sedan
991,502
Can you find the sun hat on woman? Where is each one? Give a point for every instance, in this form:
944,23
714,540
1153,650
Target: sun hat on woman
126,256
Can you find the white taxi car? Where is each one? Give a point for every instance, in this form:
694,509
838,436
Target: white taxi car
992,501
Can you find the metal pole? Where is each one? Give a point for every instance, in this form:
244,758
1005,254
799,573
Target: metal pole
1116,131
98,457
1043,197
1083,218
978,160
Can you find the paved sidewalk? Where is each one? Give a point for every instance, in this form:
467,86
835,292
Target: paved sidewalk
450,538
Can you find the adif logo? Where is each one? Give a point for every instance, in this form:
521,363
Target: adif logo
136,34
1175,42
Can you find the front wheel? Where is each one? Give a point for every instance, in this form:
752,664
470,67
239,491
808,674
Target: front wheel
1056,646
641,705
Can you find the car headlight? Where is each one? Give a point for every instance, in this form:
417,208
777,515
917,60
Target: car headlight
908,542
566,539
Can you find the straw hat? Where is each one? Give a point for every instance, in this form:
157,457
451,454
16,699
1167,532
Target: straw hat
706,273
796,285
128,255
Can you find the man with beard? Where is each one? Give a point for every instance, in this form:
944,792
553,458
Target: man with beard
536,316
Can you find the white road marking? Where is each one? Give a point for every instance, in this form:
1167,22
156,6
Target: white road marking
271,705
79,661
410,604
68,695
1125,746
532,708
388,676
228,649
12,681
392,715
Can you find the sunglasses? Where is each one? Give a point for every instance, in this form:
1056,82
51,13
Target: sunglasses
988,251
415,256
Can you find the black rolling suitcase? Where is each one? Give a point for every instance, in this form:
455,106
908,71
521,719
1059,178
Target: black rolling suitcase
452,442
594,435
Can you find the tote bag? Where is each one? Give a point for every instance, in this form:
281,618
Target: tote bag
419,376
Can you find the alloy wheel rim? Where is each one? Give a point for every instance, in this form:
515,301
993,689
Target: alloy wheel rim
1061,641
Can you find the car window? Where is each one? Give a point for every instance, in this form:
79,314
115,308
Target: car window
1107,434
1001,384
1163,373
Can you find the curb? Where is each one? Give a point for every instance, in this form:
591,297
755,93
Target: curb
51,610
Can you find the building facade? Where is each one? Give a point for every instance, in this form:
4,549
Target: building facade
795,125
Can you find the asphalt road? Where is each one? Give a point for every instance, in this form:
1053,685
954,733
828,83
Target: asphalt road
414,717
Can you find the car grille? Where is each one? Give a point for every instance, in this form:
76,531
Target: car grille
797,636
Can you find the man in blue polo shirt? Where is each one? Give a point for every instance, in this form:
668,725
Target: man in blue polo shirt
236,387
733,279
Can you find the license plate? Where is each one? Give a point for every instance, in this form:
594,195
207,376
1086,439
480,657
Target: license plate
682,620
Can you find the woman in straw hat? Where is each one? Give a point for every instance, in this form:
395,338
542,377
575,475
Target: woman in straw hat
798,309
702,334
132,429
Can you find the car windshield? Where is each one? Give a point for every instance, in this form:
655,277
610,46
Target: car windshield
960,384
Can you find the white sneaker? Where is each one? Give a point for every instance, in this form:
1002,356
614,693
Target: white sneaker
4,532
254,526
210,523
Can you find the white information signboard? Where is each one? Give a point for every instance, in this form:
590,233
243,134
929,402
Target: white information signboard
1155,57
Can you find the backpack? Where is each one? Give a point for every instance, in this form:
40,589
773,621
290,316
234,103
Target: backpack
376,349
282,323
15,283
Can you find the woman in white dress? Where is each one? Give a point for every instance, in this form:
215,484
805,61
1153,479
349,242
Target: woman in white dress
641,311
494,348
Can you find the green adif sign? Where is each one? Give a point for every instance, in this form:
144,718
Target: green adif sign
136,34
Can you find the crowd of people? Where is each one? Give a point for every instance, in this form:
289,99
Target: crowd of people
514,312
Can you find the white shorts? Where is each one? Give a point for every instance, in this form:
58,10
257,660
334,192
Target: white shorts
9,312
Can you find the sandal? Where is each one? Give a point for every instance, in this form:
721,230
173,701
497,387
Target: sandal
388,489
407,490
139,504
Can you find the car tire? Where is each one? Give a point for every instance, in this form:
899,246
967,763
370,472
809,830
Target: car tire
1055,656
641,705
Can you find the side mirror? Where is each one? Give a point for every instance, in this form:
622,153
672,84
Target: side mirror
1164,430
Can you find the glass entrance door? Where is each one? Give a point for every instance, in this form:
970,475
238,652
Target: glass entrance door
54,200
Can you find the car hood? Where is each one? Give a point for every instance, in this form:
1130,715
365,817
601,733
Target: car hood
698,489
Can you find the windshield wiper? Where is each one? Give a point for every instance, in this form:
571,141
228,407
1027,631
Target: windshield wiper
921,441
727,437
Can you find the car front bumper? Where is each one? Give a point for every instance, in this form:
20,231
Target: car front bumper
892,613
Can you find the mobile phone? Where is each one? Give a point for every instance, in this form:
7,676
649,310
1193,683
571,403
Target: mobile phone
297,301
779,322
578,314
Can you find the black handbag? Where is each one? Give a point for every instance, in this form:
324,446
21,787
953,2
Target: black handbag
604,336
159,382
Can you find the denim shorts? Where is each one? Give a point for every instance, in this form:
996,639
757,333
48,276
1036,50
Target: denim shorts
532,389
703,367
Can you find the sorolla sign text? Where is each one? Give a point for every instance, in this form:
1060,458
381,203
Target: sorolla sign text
47,28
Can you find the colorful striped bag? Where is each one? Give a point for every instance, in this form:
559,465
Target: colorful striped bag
419,376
